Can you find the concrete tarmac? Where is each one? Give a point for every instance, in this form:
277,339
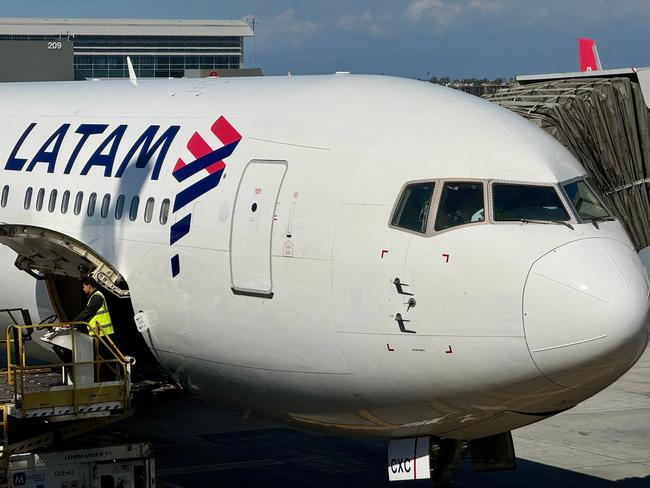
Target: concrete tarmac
602,443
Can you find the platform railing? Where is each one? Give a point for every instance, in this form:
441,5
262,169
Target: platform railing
18,369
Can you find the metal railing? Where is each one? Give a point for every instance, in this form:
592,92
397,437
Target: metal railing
117,365
24,315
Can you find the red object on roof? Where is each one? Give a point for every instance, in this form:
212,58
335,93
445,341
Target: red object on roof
588,55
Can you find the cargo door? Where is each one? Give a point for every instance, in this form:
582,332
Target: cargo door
44,253
252,228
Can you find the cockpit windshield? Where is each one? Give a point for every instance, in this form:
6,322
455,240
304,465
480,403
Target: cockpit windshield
461,203
516,202
412,211
585,201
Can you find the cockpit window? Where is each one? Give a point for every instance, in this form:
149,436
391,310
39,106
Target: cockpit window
461,203
527,202
585,201
412,211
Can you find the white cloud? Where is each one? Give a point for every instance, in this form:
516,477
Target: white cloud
368,22
444,13
440,10
285,29
576,10
489,6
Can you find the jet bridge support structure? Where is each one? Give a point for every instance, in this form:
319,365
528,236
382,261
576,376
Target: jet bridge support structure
41,404
604,120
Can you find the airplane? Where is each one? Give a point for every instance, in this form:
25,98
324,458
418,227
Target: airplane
360,255
588,58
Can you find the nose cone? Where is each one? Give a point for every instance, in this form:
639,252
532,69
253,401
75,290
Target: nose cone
585,311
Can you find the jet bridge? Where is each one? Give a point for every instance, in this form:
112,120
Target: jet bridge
603,118
43,403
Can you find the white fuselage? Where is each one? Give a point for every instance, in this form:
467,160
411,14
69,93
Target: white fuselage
279,295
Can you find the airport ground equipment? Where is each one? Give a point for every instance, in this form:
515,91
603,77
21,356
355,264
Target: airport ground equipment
98,467
604,120
45,403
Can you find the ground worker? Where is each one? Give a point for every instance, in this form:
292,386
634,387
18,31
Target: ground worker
95,313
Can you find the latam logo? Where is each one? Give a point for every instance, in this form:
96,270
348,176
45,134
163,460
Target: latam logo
149,145
208,160
103,157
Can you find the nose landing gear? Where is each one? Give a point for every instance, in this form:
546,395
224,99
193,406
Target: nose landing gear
437,458
444,458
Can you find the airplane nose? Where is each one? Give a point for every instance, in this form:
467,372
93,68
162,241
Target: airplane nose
585,309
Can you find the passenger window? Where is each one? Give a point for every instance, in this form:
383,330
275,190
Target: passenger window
92,200
65,201
5,196
148,210
133,211
412,211
40,197
119,207
527,202
585,201
164,211
78,202
461,203
106,203
52,203
28,198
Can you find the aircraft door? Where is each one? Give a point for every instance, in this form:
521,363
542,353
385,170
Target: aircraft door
252,227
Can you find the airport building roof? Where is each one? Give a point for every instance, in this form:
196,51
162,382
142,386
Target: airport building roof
123,27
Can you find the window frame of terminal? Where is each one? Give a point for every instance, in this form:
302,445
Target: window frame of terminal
434,206
568,208
587,179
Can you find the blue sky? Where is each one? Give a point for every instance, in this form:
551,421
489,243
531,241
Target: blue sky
413,38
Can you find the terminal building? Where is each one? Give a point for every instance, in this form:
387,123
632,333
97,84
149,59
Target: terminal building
67,49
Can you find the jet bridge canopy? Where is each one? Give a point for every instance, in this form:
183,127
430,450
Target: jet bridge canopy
46,253
605,123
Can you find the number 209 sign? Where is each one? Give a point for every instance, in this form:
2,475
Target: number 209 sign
408,459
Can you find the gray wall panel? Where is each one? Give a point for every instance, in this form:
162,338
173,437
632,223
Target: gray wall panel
36,60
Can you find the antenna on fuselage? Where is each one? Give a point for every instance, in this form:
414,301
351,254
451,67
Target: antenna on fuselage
132,77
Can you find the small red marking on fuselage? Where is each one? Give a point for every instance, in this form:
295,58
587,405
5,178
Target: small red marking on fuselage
384,251
179,164
446,256
389,348
449,351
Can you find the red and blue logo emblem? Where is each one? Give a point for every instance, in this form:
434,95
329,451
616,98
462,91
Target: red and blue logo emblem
208,160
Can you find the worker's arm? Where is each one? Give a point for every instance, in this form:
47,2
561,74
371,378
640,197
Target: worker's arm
89,310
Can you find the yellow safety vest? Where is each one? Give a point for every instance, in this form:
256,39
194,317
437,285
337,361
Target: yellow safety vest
102,318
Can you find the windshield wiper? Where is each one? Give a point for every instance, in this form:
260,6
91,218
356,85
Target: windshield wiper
604,218
533,221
